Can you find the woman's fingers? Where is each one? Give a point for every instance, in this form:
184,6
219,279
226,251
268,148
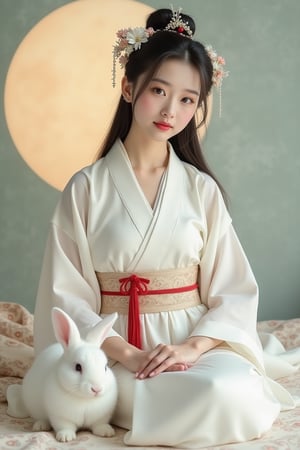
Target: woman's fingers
178,367
161,359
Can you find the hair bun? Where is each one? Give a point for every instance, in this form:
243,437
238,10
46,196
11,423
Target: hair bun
160,18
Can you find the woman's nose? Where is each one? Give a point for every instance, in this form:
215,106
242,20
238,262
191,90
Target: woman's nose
168,112
167,115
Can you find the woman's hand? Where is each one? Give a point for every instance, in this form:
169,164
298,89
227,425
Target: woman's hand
167,358
137,360
163,358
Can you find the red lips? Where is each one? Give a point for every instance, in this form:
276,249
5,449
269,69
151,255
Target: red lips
163,126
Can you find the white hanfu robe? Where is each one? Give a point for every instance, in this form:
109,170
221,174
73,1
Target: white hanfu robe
104,223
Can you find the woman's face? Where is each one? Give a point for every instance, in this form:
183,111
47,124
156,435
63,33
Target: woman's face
168,102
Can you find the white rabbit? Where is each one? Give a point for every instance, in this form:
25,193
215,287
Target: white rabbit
69,386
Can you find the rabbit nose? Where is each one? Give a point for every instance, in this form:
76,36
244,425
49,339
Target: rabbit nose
96,390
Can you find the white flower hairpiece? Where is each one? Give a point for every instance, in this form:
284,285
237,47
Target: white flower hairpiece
129,40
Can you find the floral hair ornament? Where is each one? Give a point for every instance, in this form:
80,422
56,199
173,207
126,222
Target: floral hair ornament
131,39
219,72
178,25
128,40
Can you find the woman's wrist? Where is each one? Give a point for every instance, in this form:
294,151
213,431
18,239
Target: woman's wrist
202,344
118,349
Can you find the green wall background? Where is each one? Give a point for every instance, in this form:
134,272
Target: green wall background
254,147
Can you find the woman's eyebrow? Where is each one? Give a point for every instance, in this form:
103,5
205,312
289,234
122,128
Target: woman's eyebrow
160,80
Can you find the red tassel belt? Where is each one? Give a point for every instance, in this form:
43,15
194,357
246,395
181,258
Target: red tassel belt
133,296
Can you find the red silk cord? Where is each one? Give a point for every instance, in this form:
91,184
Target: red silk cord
133,286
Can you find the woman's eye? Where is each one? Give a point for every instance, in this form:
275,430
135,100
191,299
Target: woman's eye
158,91
187,100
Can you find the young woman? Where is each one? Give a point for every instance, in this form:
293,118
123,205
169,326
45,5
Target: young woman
144,231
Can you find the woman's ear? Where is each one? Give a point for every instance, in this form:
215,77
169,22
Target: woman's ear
126,90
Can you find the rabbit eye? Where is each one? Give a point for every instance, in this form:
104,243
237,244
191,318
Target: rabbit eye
78,368
106,366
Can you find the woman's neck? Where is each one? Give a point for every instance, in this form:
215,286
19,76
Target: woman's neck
146,154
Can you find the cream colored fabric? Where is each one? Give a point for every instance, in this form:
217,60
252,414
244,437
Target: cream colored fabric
103,223
221,399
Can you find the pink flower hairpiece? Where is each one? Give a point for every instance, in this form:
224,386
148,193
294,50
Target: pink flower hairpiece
218,63
219,72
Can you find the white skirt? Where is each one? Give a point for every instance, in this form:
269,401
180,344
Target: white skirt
221,399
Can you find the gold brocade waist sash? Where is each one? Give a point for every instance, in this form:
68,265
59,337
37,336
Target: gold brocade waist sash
163,290
148,292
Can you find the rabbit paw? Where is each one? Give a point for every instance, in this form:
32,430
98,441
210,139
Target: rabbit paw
65,435
103,429
41,425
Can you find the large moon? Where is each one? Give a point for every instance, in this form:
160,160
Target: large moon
58,98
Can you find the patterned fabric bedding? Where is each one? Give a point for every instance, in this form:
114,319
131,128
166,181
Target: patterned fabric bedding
16,355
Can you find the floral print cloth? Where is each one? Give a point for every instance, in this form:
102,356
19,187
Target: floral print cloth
16,356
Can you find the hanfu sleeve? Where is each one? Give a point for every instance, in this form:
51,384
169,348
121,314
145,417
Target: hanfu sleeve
68,277
227,285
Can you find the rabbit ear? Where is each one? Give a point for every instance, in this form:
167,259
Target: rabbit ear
65,329
100,331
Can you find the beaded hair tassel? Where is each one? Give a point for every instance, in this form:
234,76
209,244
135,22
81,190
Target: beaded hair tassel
218,63
131,39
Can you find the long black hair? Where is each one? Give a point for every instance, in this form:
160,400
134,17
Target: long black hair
161,46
